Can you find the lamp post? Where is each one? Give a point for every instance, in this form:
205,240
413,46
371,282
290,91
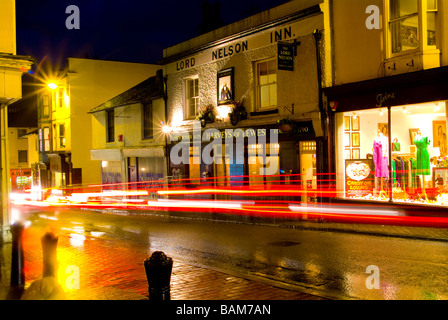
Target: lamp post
166,132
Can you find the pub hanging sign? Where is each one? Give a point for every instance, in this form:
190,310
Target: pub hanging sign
285,56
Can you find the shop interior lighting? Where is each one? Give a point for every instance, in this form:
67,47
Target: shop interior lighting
437,107
381,112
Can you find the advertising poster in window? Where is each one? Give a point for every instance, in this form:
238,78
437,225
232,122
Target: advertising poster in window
359,178
225,86
439,137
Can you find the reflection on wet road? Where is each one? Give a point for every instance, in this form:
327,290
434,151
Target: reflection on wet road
328,263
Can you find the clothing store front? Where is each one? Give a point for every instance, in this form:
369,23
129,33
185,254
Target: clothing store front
390,140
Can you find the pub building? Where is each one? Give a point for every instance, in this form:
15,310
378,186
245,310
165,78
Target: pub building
256,78
389,140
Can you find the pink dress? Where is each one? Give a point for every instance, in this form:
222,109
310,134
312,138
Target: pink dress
380,161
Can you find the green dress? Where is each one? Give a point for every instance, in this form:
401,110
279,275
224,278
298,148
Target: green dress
423,167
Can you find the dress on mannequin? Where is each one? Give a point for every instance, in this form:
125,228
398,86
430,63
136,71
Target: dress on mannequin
423,164
381,160
381,156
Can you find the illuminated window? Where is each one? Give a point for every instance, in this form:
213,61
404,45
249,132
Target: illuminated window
62,135
266,76
406,20
110,118
46,139
45,105
61,97
192,97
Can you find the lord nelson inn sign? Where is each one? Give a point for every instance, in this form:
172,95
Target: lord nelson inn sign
284,34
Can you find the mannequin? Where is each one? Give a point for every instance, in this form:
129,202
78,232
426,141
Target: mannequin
423,164
381,160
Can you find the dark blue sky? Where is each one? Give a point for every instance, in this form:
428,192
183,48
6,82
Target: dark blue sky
123,30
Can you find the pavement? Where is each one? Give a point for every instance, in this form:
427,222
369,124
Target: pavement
114,270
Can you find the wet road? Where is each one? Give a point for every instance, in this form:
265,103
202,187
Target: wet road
328,263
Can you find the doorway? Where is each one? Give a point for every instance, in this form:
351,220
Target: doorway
308,171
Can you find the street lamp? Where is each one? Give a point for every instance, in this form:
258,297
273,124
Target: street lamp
52,85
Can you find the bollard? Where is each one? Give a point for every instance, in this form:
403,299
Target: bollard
17,258
48,287
158,273
49,247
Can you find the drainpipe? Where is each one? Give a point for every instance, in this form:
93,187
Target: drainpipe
321,144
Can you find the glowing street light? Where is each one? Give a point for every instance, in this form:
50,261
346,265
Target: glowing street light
52,85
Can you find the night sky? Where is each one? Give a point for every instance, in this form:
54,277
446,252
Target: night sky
122,30
119,30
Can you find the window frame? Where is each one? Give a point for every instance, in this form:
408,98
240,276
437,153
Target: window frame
110,125
187,98
22,154
61,135
258,86
422,16
147,120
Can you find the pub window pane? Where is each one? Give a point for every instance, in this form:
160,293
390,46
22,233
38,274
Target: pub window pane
267,83
192,97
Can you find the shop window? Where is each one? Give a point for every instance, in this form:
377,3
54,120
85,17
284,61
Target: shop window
23,156
405,169
192,97
406,18
147,120
110,118
266,81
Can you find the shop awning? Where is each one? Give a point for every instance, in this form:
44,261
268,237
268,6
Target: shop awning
106,155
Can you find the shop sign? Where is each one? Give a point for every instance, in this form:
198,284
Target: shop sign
55,164
382,98
285,56
226,134
359,177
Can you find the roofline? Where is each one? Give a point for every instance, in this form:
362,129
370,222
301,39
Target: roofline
301,14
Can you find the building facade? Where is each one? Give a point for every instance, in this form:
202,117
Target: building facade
65,127
12,68
260,79
387,104
128,138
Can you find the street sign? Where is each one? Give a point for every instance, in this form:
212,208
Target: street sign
286,56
